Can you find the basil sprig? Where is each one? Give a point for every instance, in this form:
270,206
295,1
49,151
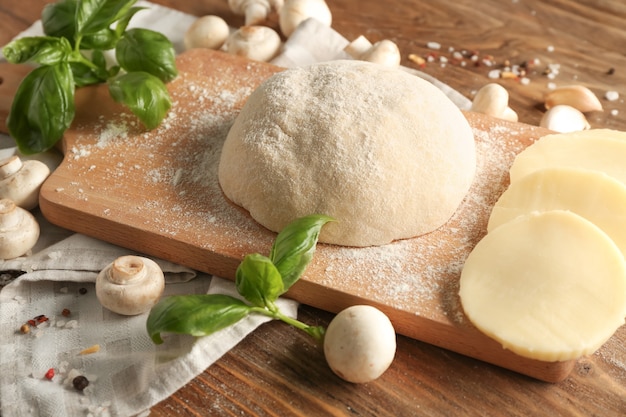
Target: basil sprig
259,279
71,55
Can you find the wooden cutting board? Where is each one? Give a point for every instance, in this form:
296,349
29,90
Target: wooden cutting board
157,193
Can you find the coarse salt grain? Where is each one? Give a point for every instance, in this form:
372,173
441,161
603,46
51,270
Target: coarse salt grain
433,45
611,95
493,74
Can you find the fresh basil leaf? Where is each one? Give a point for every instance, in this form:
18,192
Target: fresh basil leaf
294,247
43,108
94,15
98,58
43,50
84,75
58,19
196,315
144,94
123,21
147,50
258,280
104,39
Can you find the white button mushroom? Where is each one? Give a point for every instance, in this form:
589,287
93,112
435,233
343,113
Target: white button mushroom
295,12
259,43
130,285
255,11
21,181
207,32
19,230
360,343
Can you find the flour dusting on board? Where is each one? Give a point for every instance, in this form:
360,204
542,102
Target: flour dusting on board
175,193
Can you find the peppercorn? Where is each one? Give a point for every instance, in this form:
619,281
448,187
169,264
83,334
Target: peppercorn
25,328
80,382
50,374
66,312
82,291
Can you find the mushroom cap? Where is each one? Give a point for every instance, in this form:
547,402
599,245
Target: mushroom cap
207,32
20,181
130,285
360,343
19,230
259,43
295,12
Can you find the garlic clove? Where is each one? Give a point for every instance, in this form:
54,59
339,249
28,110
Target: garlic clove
259,43
295,12
358,47
19,230
20,181
384,52
130,285
564,119
577,96
493,100
206,32
509,114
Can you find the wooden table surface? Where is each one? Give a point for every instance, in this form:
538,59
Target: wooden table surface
278,371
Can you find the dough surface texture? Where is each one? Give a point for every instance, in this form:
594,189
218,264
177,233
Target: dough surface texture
384,152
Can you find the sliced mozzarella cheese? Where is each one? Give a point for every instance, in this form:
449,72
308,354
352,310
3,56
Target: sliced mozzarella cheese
598,149
549,286
593,195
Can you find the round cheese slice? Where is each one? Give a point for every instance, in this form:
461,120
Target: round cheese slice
593,195
549,286
598,149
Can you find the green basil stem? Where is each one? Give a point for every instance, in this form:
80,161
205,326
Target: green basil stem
316,332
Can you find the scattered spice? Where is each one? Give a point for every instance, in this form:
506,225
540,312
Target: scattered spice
82,291
90,350
49,374
611,71
25,329
80,382
41,319
66,312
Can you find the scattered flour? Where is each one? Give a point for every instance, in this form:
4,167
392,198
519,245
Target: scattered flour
166,180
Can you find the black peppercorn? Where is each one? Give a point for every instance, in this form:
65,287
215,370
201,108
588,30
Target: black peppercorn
82,291
80,382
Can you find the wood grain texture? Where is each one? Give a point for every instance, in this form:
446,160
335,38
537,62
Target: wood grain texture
278,371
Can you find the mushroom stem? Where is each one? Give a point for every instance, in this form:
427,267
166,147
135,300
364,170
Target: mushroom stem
127,269
10,166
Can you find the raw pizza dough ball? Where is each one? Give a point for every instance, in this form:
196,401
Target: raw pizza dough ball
549,286
384,152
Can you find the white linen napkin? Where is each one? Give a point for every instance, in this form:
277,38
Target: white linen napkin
129,374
